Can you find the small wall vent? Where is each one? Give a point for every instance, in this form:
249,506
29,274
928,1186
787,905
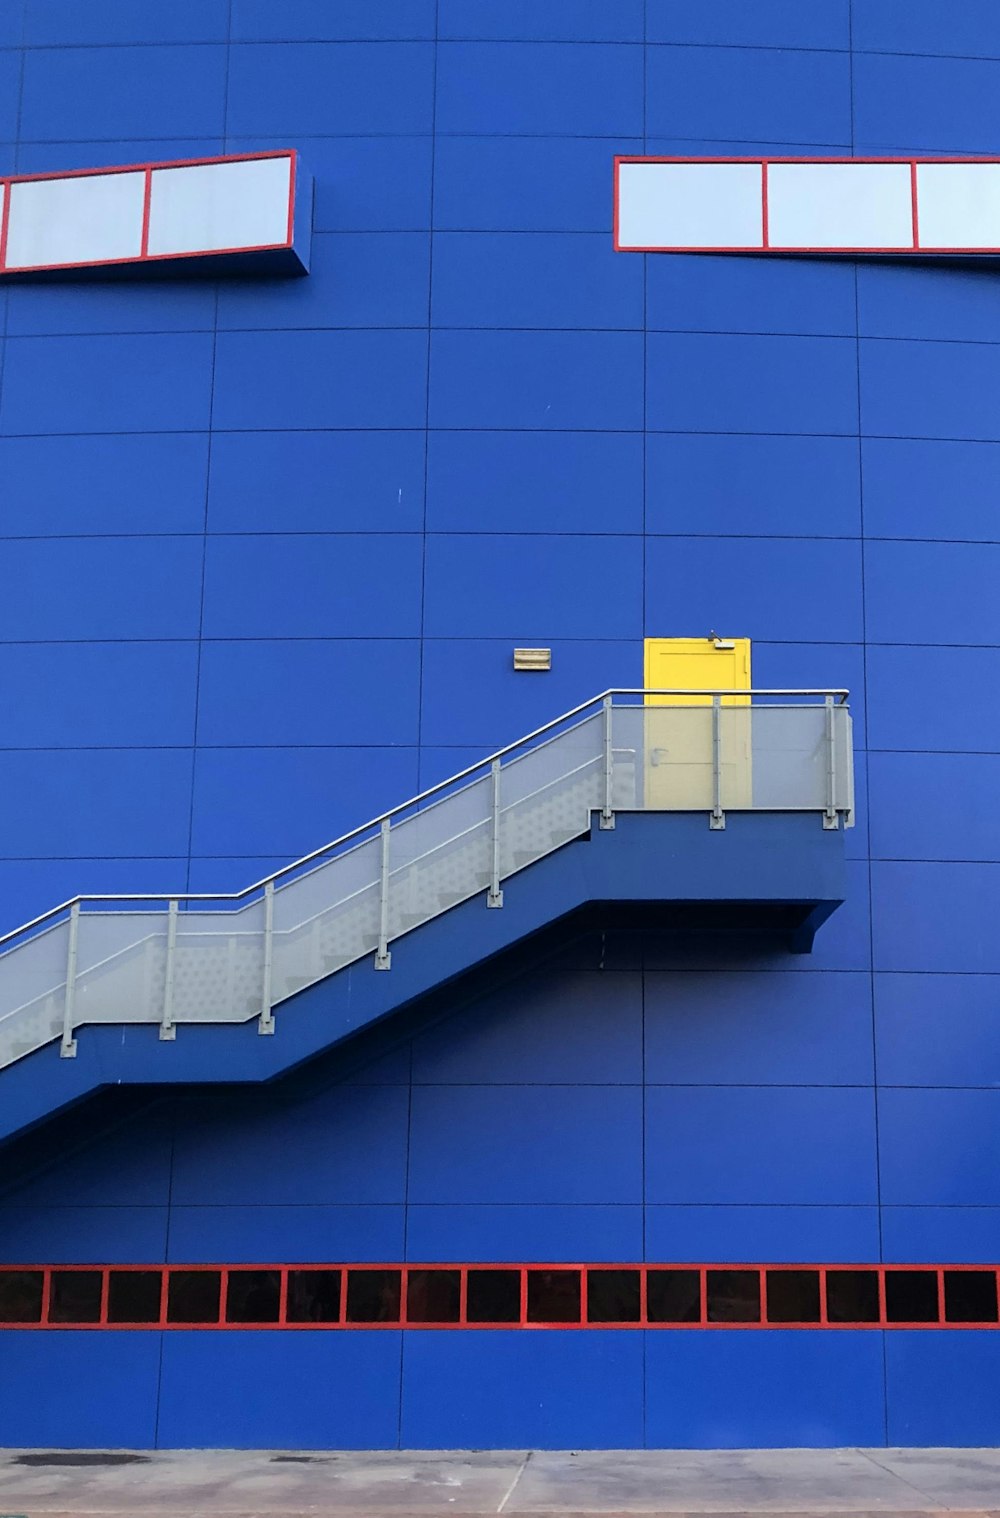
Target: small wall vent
532,658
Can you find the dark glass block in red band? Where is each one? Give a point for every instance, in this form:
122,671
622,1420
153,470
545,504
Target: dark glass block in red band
673,1296
134,1296
313,1296
193,1296
75,1296
734,1296
793,1296
433,1296
911,1296
493,1296
970,1296
852,1296
253,1296
373,1296
613,1296
20,1296
553,1296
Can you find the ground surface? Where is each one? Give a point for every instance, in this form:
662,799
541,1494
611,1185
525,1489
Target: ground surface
260,1484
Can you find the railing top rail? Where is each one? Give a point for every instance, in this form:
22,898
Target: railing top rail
839,695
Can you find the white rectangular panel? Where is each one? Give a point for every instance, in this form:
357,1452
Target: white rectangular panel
215,206
839,205
87,218
958,205
690,205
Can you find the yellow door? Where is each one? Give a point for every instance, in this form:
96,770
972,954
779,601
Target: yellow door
679,775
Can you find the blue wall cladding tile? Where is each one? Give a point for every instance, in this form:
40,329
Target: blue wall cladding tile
30,887
958,718
100,694
368,184
64,23
508,1144
922,26
935,1387
66,803
286,1232
749,93
961,1235
920,389
326,481
526,184
517,1035
93,588
543,380
126,383
734,1028
544,1390
752,484
768,23
935,916
772,1390
542,279
346,1146
725,383
760,1145
115,93
312,585
563,89
60,308
737,1234
320,379
284,802
767,295
82,1235
543,20
493,1233
532,587
928,301
937,1030
949,488
324,89
569,482
939,1147
260,1390
761,588
933,806
931,592
938,104
373,279
57,157
305,691
83,1375
318,21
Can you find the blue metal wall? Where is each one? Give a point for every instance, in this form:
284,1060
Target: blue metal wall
267,548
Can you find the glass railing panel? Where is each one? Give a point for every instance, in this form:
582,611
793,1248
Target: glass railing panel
547,796
326,919
440,856
218,973
120,967
33,988
666,756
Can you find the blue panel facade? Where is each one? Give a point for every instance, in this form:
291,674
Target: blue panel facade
266,547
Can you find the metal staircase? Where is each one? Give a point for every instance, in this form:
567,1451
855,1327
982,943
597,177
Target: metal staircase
189,959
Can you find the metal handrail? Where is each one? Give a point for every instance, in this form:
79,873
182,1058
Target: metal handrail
840,695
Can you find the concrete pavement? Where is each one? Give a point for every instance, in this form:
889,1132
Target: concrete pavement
469,1484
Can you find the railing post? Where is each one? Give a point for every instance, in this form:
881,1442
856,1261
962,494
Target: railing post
67,1049
167,1029
383,959
830,817
607,810
495,896
266,1024
718,818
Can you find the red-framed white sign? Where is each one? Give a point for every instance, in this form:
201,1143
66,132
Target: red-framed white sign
807,205
223,208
